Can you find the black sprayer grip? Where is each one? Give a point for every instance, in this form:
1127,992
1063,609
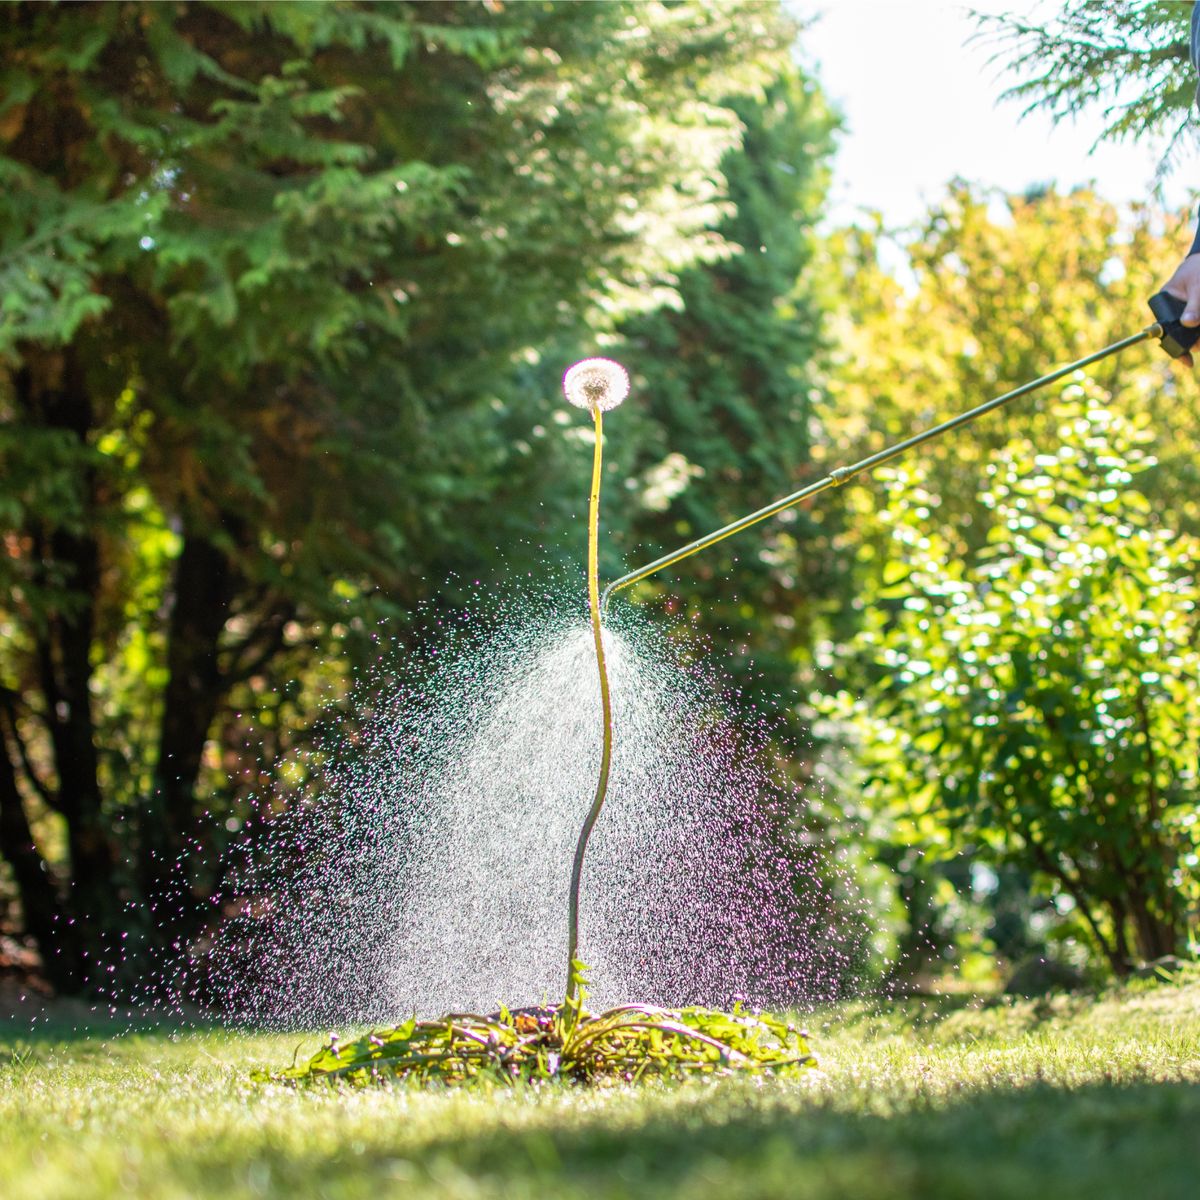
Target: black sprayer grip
1176,339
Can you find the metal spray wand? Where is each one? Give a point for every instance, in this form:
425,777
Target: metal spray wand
1175,338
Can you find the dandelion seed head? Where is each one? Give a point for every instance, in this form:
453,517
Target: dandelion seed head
596,384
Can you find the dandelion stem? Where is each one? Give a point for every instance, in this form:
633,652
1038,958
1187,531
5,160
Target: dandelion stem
605,709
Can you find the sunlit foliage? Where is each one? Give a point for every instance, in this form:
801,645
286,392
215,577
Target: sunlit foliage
1039,703
987,292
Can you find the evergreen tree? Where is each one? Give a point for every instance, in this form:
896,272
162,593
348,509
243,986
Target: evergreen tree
265,270
727,382
1130,60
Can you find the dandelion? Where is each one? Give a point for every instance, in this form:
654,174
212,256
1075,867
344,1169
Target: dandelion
597,384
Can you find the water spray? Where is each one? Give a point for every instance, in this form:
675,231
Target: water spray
629,1042
1176,339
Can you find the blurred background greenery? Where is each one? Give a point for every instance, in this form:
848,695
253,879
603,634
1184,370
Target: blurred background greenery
286,291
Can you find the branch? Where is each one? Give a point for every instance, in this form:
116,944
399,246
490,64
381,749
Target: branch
45,794
1075,888
261,646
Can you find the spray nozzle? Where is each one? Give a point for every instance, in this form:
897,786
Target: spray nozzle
1176,338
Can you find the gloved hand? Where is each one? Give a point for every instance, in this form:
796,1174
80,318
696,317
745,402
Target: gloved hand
1185,285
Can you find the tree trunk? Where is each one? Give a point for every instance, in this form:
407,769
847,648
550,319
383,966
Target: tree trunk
205,585
40,903
52,389
1153,936
1123,959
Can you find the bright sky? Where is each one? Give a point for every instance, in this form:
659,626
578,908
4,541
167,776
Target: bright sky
922,106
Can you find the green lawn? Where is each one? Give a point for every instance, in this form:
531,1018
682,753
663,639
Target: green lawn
1060,1099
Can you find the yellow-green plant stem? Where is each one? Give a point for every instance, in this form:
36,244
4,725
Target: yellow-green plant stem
606,717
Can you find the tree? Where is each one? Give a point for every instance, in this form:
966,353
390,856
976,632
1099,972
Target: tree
1001,290
726,383
1132,60
1039,710
994,290
265,272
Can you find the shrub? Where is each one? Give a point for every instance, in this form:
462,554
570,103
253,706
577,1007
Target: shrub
1037,706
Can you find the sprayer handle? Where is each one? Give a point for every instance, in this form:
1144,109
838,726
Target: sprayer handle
1176,339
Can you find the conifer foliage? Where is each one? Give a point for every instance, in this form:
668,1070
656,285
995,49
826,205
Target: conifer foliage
264,271
729,383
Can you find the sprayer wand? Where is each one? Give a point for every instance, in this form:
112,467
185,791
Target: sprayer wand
1176,340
